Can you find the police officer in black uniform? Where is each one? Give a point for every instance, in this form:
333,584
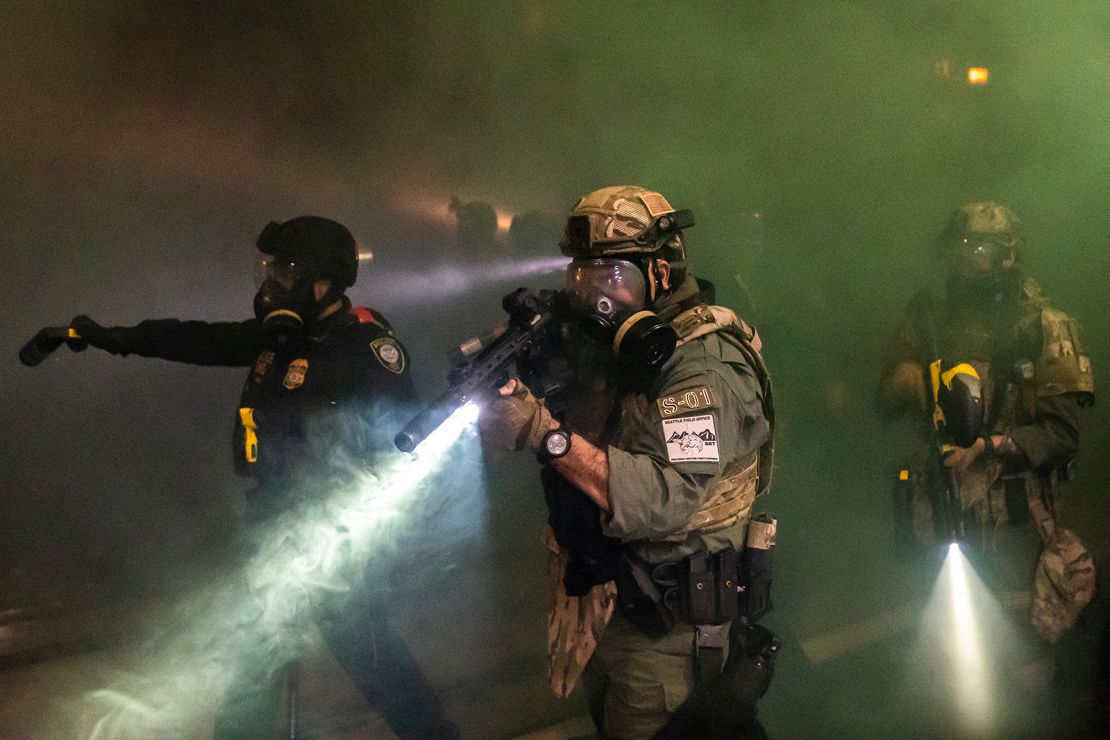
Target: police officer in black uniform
321,373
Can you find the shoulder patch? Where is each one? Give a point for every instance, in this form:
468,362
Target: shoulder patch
691,439
389,354
687,400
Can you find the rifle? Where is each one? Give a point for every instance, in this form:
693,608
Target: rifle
957,421
525,343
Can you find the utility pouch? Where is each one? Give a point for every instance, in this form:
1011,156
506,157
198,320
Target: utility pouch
1015,488
726,565
640,598
755,568
699,590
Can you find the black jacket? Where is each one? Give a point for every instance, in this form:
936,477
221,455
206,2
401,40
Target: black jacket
321,406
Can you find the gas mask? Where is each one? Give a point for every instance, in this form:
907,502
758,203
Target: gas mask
607,301
982,271
285,300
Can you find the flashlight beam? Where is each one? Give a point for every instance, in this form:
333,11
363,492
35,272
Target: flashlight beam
255,623
403,288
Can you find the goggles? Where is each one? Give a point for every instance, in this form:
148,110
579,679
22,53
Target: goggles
975,256
282,271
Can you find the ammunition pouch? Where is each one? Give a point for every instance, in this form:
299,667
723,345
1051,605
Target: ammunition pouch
755,567
704,589
755,583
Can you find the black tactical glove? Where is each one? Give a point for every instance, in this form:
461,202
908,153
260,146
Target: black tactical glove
92,333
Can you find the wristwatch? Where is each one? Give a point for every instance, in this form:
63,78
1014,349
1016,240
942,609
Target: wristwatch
554,444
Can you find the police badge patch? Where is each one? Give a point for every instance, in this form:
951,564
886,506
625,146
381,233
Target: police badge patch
389,354
294,376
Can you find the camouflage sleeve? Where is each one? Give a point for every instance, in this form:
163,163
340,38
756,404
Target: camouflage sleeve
671,454
1065,384
1063,365
1054,436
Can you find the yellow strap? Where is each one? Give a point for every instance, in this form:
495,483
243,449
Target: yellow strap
939,377
963,368
246,415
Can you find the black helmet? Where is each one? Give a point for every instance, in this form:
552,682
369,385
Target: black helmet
324,246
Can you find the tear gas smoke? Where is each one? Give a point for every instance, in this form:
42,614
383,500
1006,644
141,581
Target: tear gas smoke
403,288
264,617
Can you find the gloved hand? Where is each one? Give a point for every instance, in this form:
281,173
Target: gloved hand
92,333
961,458
515,420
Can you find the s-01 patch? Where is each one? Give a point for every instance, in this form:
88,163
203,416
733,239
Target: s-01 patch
691,439
389,354
687,400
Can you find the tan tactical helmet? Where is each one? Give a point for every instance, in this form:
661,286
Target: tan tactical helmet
982,238
626,220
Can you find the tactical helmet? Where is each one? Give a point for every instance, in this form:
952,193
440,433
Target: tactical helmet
981,238
324,246
626,220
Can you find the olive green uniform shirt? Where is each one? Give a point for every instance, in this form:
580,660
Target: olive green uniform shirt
656,482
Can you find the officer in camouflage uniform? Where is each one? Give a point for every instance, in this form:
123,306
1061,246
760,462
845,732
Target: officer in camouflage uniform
323,375
1035,380
651,472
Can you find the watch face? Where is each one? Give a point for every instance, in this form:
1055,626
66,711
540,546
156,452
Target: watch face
557,444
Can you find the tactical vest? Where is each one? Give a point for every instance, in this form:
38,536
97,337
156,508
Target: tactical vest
581,565
575,520
1039,357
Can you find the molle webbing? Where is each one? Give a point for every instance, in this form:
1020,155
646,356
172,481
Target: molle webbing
731,501
702,320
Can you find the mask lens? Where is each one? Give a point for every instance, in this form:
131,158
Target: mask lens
605,291
281,271
978,258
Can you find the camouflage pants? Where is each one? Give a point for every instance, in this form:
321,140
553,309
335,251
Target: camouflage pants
634,682
1036,568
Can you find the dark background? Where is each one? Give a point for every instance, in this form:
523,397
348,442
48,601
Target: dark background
143,145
